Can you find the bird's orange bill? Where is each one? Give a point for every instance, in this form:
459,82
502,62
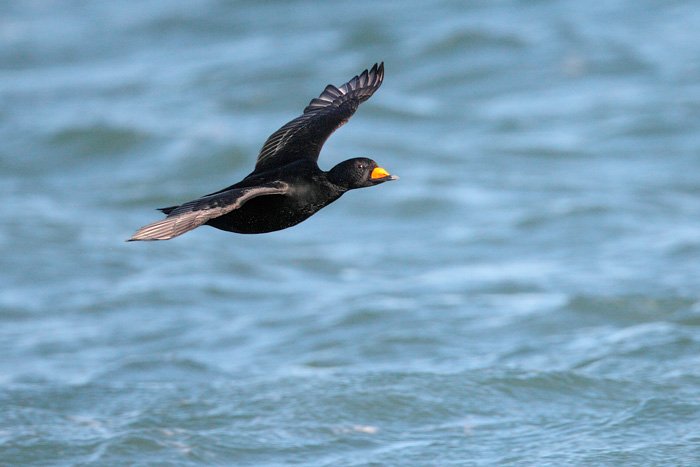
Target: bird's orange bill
379,173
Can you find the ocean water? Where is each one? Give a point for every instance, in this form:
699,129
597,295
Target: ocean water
527,294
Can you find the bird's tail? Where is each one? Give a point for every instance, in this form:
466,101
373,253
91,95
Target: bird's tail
167,211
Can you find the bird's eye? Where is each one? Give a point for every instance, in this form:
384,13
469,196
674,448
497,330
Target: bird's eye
361,167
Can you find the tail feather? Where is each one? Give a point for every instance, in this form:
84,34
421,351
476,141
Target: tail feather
167,211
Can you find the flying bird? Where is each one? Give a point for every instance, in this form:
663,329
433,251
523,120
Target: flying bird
287,186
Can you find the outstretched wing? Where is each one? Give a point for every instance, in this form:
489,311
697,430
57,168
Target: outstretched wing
197,212
303,137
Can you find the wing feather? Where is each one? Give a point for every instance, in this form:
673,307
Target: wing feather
197,212
303,137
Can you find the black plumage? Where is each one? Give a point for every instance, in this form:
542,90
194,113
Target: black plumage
287,186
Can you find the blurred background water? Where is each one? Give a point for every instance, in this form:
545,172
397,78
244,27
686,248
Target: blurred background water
527,294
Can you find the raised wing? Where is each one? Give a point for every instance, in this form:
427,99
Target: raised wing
197,212
303,137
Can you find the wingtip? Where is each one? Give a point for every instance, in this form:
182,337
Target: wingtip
135,238
377,74
159,230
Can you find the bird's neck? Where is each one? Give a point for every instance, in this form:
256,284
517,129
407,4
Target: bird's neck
338,181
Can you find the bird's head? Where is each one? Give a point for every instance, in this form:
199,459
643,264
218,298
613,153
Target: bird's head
359,173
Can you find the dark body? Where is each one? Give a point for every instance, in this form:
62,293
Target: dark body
287,186
309,191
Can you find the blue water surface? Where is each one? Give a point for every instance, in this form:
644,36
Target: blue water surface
526,294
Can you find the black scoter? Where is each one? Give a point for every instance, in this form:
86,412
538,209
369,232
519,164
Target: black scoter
287,186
